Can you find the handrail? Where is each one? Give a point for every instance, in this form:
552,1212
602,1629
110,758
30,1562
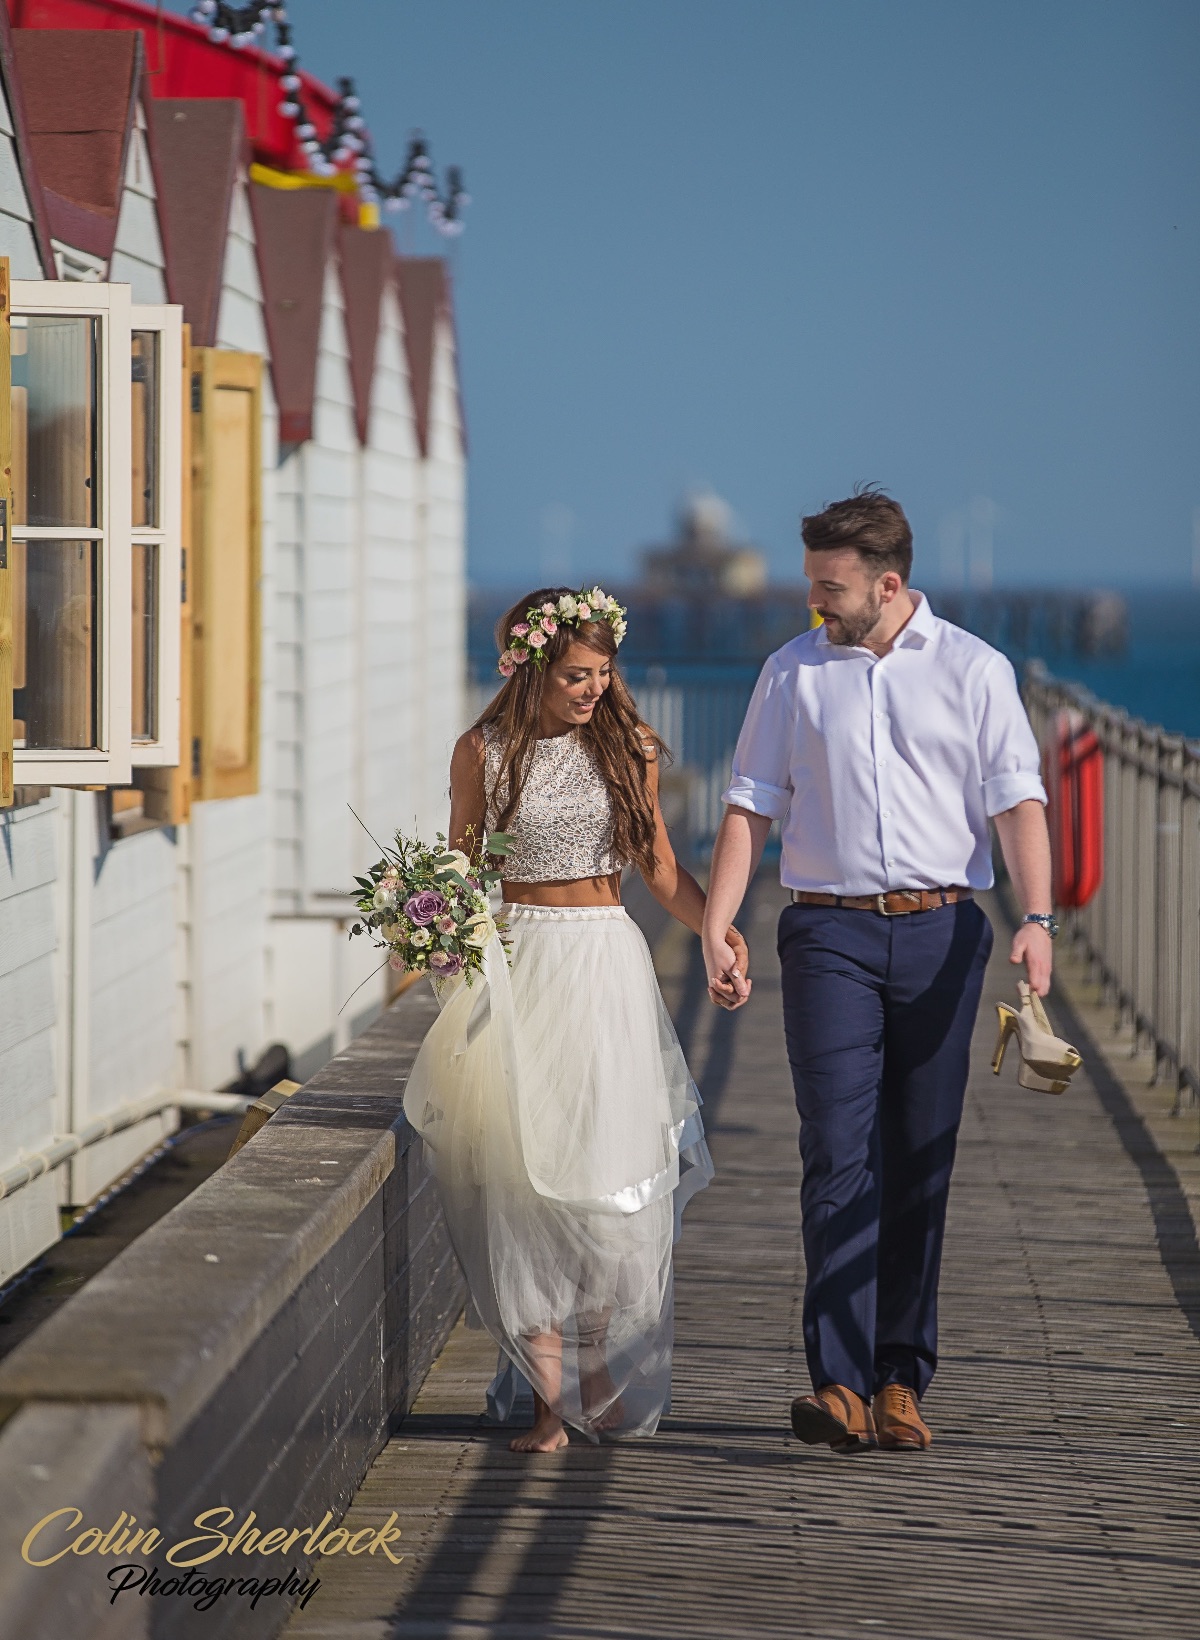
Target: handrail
1141,930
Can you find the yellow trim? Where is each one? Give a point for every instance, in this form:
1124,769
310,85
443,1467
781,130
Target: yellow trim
814,620
368,214
344,182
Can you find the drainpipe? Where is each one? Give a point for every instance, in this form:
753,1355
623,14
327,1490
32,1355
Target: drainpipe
34,1164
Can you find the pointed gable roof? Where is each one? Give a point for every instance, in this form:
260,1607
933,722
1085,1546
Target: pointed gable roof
80,88
197,146
424,283
366,257
294,230
24,149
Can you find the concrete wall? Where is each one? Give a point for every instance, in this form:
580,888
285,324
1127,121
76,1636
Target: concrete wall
255,1348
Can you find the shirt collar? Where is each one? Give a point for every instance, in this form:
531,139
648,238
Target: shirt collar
922,626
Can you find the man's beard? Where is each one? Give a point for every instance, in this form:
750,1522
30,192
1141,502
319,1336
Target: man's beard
850,630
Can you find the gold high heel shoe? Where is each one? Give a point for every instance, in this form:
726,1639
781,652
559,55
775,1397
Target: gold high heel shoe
1047,1062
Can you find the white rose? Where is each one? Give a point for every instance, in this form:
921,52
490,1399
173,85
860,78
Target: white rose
599,599
384,900
479,930
419,937
392,931
568,606
457,861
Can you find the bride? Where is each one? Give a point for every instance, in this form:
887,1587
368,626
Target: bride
557,1110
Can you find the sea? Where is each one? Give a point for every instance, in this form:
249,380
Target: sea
1155,677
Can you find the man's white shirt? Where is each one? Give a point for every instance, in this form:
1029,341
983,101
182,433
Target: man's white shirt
884,770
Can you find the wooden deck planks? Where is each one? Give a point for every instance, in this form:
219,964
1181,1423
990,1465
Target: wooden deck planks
1062,1496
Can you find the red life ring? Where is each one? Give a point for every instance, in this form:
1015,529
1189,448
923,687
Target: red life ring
1075,767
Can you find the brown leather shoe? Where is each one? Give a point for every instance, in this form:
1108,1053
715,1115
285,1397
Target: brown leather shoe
898,1421
834,1417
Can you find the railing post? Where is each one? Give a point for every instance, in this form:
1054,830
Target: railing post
1167,906
1188,1057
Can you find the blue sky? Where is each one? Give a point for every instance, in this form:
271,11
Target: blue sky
776,246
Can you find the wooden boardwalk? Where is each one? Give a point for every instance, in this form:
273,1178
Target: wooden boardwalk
1061,1497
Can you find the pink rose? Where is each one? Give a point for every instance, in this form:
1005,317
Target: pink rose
521,628
547,609
520,656
584,612
550,626
536,640
397,963
508,664
445,963
445,925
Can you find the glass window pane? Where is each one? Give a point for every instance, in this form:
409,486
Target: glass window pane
54,370
145,429
145,641
55,608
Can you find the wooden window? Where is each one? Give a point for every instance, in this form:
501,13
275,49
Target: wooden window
226,420
91,467
67,391
162,794
156,370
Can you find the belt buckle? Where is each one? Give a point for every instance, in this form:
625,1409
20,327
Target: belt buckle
912,893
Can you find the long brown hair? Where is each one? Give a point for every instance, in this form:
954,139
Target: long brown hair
620,750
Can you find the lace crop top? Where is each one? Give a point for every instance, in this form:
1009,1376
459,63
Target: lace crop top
562,829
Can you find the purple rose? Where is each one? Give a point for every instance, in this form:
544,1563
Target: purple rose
422,908
445,964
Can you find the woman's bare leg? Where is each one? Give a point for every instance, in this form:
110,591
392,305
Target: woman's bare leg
601,1404
548,1433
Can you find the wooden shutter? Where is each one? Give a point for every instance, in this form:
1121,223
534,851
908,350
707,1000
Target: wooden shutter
226,417
167,792
6,549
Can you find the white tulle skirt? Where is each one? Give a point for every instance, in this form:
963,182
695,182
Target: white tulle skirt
564,1130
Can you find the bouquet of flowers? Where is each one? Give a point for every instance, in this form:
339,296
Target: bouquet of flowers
428,907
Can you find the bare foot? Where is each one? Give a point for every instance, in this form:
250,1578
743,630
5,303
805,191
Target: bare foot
596,1388
547,1435
610,1418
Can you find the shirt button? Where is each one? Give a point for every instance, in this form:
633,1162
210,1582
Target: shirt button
887,814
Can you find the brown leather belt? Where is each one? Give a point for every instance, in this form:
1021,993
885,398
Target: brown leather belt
895,903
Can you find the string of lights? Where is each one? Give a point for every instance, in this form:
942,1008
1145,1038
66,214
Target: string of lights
348,145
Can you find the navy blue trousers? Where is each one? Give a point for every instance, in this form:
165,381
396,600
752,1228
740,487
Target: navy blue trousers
878,1012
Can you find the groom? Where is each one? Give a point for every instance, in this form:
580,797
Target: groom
882,742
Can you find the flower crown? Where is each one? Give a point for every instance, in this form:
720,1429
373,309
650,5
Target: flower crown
542,621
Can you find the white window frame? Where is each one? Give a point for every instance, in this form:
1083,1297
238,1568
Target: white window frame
109,763
167,321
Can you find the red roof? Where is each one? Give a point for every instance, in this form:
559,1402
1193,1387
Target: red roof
197,145
294,233
183,62
33,187
425,298
366,256
80,94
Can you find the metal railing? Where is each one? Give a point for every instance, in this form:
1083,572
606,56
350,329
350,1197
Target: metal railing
1141,930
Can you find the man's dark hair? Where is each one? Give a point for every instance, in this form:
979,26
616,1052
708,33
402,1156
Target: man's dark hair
870,522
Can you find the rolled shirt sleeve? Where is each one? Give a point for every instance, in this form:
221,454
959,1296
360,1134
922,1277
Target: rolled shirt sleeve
761,778
1008,751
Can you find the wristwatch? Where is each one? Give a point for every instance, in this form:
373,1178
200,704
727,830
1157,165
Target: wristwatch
1045,919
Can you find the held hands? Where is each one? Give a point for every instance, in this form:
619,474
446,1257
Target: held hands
727,964
1032,946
